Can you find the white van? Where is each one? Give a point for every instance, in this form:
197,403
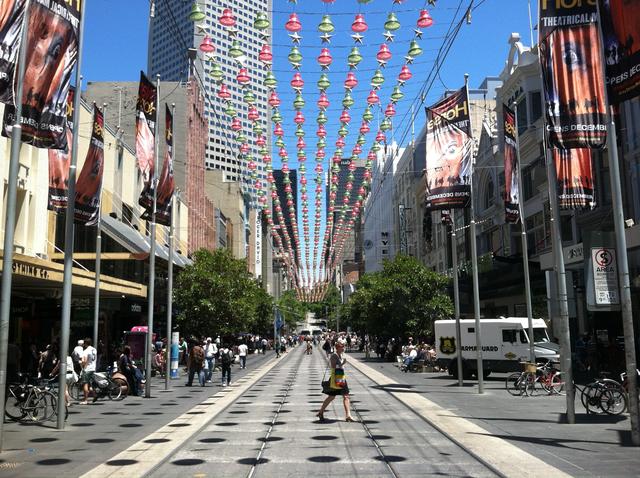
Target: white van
505,343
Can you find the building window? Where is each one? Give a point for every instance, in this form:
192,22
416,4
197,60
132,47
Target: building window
522,115
536,106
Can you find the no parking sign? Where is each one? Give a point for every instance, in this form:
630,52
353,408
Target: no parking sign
605,275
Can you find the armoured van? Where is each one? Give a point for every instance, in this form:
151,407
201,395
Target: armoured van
505,344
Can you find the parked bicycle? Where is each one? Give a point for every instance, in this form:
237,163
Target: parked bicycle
604,395
534,379
27,402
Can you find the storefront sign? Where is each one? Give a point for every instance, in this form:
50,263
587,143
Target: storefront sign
605,275
29,270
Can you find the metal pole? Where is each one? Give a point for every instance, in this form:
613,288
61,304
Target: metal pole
456,295
564,332
152,252
621,254
525,250
167,375
474,263
9,223
96,299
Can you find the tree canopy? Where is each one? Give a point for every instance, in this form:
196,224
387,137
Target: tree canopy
217,295
403,298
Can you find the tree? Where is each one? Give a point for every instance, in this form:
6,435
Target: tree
217,295
292,310
404,298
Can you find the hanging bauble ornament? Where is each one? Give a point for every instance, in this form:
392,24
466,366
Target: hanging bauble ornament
348,101
414,49
240,138
301,144
297,83
249,97
258,129
227,19
375,147
373,99
216,72
322,143
236,50
343,132
380,137
320,154
371,156
340,143
196,14
276,117
351,81
384,54
321,132
357,149
425,20
405,73
261,141
359,25
351,167
207,45
361,140
397,94
244,149
326,26
367,115
243,76
298,102
364,128
274,101
285,168
230,111
223,92
299,118
322,118
265,55
270,80
251,165
345,117
323,82
325,58
293,24
354,56
323,101
377,80
390,111
261,21
392,23
300,132
278,131
318,169
294,57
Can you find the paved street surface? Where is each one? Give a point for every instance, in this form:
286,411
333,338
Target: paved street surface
264,425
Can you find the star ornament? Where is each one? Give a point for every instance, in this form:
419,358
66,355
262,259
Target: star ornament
432,3
388,36
357,38
409,59
418,33
326,38
295,38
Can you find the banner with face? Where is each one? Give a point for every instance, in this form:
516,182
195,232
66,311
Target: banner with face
511,168
166,183
89,186
59,161
575,178
146,115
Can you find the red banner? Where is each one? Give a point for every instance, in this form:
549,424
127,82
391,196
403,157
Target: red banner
621,31
52,51
59,161
511,168
449,149
146,115
572,74
89,186
575,178
166,184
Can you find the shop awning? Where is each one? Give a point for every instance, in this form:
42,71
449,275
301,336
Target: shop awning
124,235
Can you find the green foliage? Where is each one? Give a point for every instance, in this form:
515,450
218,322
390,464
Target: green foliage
404,298
217,295
292,309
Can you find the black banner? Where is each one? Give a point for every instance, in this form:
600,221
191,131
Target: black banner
572,74
511,168
145,138
52,51
89,186
621,31
575,178
59,162
166,184
449,149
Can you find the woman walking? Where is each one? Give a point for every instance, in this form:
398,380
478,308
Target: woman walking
337,383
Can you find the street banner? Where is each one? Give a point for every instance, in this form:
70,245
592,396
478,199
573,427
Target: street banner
449,149
145,138
59,161
511,168
52,51
620,20
166,184
575,178
89,186
574,100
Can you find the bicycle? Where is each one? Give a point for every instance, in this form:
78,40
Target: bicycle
605,395
524,383
26,402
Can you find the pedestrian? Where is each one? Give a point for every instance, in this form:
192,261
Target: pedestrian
88,362
48,361
225,356
276,346
196,362
242,353
71,377
182,351
210,352
337,383
264,345
127,368
327,347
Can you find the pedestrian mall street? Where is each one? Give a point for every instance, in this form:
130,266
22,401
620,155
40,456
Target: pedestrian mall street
265,424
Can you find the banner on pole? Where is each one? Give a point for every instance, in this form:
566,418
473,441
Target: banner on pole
576,115
59,162
89,187
575,178
620,21
511,168
146,115
52,51
166,185
449,148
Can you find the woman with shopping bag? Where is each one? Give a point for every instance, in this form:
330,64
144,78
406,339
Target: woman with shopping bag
337,383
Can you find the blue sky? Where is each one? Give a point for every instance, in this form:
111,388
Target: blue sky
115,48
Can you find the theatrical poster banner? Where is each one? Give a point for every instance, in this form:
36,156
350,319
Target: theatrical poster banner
59,161
146,115
89,187
166,184
575,178
52,50
449,153
621,32
572,74
511,168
